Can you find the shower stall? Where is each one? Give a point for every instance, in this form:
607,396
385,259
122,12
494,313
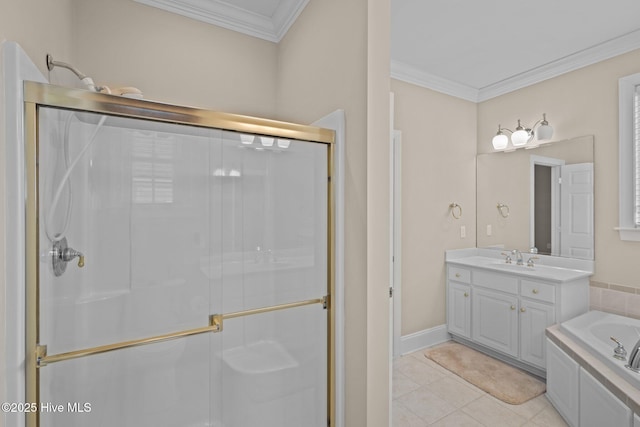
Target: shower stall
179,265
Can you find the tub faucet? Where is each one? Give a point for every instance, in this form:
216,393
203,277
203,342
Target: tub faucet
518,256
634,359
619,352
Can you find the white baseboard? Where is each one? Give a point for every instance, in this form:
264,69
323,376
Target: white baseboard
423,339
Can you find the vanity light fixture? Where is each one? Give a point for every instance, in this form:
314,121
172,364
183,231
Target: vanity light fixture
523,135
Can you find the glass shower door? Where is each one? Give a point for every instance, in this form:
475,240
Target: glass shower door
183,272
274,237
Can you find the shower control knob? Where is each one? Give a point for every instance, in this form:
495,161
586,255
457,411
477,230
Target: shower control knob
69,254
61,254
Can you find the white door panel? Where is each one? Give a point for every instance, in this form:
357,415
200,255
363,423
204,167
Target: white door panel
576,218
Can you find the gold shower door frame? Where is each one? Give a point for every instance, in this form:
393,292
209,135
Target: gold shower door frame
43,95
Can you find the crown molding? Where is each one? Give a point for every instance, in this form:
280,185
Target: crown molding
589,56
217,12
285,15
413,75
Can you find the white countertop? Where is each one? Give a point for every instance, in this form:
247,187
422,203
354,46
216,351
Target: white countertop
545,268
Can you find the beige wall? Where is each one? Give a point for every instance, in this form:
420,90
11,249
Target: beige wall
438,168
378,202
172,58
324,65
579,103
38,26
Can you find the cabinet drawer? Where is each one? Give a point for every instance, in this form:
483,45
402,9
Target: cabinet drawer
495,281
459,274
538,291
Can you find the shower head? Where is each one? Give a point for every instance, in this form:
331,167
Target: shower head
88,81
127,92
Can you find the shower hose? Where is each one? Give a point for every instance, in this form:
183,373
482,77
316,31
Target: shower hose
54,237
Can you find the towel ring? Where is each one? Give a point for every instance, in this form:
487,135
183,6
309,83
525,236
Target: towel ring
453,207
503,209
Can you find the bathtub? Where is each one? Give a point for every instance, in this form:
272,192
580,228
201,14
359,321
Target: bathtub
593,330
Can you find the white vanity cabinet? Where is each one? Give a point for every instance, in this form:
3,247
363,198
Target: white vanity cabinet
495,320
535,317
509,311
459,309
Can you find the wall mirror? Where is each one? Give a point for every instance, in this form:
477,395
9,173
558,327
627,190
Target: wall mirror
538,198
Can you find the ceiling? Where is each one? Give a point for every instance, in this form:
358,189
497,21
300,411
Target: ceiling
471,49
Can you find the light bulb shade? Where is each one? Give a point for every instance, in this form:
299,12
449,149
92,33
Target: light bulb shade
283,143
519,138
544,132
500,141
266,141
246,139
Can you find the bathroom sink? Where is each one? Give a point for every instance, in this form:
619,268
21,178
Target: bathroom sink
537,271
512,267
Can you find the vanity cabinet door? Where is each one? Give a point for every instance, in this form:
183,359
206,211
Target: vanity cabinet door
459,309
495,320
534,319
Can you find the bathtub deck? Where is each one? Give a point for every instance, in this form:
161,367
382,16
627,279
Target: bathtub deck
617,385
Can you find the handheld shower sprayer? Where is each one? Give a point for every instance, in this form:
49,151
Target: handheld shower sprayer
60,253
127,91
88,81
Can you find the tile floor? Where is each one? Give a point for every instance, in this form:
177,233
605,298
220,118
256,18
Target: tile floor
426,394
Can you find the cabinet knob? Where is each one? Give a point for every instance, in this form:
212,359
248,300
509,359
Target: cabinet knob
522,310
535,291
457,274
513,307
466,294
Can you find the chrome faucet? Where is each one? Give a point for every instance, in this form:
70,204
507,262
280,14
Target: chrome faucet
518,255
634,359
619,352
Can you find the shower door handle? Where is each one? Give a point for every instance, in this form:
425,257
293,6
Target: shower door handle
43,359
215,325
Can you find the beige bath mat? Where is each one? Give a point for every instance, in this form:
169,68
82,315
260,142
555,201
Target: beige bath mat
502,381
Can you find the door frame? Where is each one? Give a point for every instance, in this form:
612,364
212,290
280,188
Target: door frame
554,164
396,240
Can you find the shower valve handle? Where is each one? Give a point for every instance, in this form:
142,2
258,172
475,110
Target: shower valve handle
68,254
61,254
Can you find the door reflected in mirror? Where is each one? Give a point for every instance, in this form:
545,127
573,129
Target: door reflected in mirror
548,194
